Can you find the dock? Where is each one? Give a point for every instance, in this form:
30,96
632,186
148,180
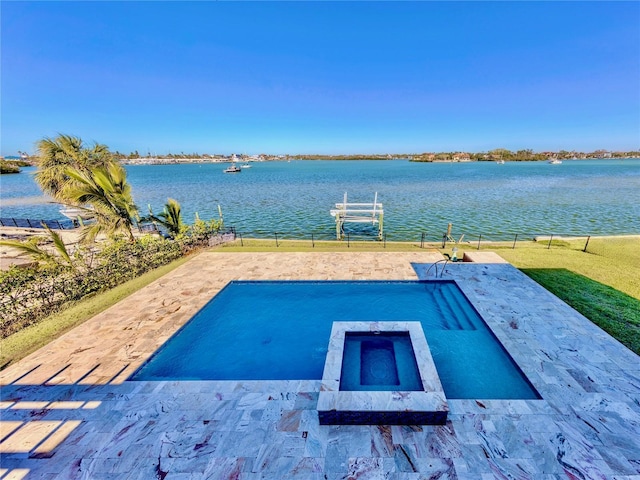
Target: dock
345,212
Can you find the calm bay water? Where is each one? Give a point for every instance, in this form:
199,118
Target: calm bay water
581,197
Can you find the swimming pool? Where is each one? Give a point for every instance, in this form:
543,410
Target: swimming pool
279,330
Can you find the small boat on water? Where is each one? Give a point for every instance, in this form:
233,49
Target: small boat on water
75,212
233,169
246,165
500,162
554,161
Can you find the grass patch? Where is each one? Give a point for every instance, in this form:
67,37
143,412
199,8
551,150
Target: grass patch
269,245
612,310
614,262
28,340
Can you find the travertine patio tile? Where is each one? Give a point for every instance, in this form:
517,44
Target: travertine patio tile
586,425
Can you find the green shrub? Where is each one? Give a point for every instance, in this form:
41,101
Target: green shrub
29,294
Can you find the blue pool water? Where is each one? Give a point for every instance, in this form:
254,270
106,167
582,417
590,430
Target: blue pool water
379,362
276,330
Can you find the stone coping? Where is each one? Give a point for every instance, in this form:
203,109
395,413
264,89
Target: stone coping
335,406
483,257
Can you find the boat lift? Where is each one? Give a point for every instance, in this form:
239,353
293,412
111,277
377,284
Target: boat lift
358,213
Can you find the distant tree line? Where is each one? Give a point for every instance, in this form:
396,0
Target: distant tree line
136,154
517,156
378,156
8,166
12,166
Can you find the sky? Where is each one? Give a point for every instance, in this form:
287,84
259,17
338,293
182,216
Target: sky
321,77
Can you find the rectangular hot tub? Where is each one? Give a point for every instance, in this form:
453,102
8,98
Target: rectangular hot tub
379,361
380,373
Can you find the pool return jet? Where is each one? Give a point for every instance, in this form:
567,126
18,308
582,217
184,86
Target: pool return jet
358,213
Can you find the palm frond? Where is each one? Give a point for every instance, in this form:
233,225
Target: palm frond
60,246
88,233
107,191
30,248
56,155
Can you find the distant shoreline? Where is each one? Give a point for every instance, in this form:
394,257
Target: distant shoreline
220,160
175,161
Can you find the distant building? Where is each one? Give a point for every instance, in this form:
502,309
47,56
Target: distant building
461,157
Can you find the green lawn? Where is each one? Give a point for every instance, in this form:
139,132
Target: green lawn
603,284
611,261
269,245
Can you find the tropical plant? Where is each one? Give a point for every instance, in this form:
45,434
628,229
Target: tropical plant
31,247
106,191
56,155
8,167
170,218
201,229
29,294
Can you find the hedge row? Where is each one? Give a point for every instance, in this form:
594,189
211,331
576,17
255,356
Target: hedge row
30,294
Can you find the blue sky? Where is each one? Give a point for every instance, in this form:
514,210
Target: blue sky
325,77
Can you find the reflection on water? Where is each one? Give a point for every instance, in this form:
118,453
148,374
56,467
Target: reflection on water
577,197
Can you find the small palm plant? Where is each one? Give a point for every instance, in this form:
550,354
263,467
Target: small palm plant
170,218
32,248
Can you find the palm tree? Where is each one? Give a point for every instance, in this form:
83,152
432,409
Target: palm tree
56,155
106,191
170,218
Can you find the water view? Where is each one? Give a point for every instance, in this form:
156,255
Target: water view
591,197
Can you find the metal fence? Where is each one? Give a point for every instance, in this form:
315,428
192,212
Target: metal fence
607,246
279,237
34,223
586,243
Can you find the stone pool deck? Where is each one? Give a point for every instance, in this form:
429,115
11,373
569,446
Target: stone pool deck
67,410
